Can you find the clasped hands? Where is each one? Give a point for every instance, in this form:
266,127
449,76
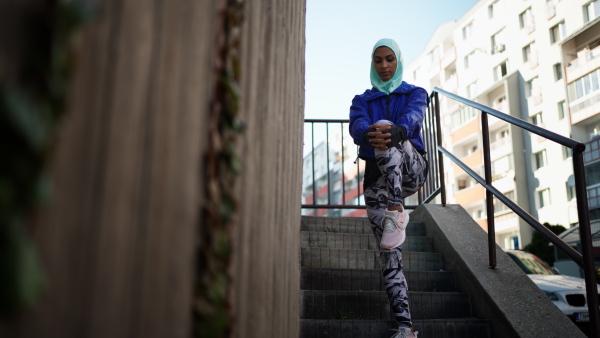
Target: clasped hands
380,136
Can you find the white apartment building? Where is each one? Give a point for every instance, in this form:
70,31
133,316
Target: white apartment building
533,59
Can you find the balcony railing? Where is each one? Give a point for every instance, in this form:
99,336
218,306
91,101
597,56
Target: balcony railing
449,57
585,108
585,62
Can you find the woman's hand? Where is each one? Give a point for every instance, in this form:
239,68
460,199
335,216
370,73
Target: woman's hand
381,136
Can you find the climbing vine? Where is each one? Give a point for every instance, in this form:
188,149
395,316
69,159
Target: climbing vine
222,165
31,107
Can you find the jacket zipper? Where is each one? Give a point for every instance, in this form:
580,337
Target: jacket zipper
387,108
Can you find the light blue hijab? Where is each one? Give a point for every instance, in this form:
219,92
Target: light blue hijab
395,82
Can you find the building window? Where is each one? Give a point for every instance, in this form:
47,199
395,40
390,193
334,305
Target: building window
466,183
462,116
536,119
470,60
583,86
530,55
499,206
500,71
539,160
591,10
472,90
515,243
558,71
415,74
566,152
543,198
498,42
467,31
592,174
550,8
526,21
558,32
562,109
531,87
494,9
570,192
434,55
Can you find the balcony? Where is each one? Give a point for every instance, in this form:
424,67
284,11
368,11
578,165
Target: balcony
506,222
434,69
501,106
449,57
473,161
465,130
529,27
500,148
536,98
533,62
585,62
581,110
451,83
470,195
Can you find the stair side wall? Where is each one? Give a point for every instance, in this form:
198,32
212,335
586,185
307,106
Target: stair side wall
505,295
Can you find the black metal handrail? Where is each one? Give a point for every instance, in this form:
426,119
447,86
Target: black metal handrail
584,259
431,132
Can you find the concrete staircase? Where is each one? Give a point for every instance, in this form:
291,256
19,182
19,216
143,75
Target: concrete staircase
343,293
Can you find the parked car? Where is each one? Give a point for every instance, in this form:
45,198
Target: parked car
566,292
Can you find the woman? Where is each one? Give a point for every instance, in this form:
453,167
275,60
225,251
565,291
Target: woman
385,122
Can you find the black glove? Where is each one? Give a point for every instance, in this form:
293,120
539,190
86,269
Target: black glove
365,137
398,134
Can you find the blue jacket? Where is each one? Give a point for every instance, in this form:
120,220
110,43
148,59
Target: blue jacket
405,106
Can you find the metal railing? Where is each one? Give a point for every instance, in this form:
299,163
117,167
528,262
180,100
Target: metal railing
328,186
334,174
584,259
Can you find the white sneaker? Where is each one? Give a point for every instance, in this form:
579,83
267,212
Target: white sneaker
394,229
405,332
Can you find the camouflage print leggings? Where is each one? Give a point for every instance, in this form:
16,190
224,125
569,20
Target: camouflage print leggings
403,173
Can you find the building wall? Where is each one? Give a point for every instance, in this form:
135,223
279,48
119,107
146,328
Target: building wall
472,73
119,240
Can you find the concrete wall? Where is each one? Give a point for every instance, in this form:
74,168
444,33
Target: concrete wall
266,267
515,306
119,238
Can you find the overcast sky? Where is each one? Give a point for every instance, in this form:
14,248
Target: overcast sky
340,35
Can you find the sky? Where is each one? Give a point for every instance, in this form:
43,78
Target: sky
340,35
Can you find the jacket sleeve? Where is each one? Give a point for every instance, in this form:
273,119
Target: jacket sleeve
412,115
360,120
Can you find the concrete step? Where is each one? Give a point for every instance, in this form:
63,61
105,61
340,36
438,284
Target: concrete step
432,328
372,280
366,259
328,304
313,239
350,225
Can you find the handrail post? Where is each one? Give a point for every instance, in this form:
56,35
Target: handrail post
489,197
314,185
438,125
343,178
328,162
585,235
